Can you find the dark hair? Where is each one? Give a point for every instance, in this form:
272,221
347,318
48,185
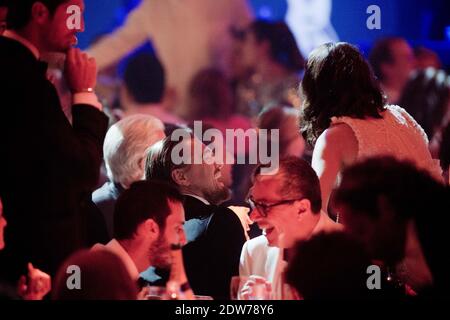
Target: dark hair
329,266
283,47
210,95
103,277
159,164
337,82
300,180
381,53
410,191
19,11
144,78
143,200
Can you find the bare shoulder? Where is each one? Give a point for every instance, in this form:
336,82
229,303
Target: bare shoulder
338,140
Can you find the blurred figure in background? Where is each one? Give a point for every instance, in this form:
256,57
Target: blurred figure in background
144,89
426,58
426,97
399,213
310,22
187,35
423,92
124,152
393,61
210,100
270,50
329,266
34,286
284,119
103,276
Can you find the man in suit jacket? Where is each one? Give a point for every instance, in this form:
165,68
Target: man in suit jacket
48,167
214,233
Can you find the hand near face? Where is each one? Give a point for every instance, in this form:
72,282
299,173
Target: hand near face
39,284
80,71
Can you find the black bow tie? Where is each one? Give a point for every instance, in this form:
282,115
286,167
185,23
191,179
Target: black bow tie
42,67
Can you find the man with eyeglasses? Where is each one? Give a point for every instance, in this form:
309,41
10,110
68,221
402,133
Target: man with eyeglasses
286,205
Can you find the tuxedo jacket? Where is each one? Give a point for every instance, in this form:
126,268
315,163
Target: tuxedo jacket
48,167
215,238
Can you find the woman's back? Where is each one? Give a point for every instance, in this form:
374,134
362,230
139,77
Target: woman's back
396,134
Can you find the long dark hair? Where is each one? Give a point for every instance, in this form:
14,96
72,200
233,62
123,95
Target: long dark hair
337,82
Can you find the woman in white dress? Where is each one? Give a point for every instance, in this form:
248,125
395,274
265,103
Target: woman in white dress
345,117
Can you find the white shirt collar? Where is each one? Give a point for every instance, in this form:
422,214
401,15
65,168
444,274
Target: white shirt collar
198,198
15,36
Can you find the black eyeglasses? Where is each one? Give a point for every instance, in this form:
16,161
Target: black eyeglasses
264,208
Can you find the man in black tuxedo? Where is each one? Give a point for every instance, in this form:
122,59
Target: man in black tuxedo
48,167
214,233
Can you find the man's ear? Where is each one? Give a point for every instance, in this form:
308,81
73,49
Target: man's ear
151,228
180,178
40,13
302,206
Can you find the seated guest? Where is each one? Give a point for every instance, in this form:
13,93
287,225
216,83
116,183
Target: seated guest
393,209
124,151
144,89
103,276
329,266
214,233
148,231
211,100
286,205
35,285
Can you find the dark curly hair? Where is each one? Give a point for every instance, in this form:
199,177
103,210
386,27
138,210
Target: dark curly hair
337,82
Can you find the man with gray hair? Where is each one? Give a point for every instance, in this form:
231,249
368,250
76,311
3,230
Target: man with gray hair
124,150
